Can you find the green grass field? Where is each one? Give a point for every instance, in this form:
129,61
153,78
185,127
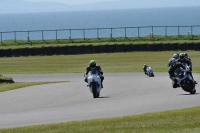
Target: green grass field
110,62
179,121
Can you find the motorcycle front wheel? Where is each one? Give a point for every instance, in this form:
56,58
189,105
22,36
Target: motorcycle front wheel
94,90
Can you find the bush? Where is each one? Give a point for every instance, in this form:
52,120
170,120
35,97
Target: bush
4,79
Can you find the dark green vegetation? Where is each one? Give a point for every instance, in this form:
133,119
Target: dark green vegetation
4,79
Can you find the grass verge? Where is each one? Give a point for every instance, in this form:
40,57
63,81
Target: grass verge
177,121
17,85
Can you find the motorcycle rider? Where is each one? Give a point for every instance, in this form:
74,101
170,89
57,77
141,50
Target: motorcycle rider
176,56
144,68
183,59
173,66
188,58
94,66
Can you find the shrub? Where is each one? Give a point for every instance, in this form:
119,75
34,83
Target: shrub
4,79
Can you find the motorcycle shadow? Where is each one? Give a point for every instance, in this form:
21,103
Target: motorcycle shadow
104,97
190,94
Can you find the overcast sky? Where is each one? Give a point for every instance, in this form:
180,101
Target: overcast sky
19,6
71,2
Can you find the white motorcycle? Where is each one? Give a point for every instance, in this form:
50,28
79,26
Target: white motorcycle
94,83
149,71
184,80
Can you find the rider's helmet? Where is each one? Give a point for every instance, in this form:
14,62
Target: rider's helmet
186,55
182,56
145,65
173,61
92,64
176,56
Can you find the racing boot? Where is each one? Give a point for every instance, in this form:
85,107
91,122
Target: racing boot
174,82
101,85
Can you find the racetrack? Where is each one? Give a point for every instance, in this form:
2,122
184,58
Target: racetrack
123,94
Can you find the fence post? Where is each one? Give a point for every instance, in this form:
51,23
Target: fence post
97,33
188,33
178,31
28,37
15,35
165,30
191,31
1,37
84,34
42,35
56,35
152,31
110,33
125,31
138,31
70,32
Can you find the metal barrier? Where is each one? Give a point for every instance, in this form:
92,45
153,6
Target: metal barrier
100,33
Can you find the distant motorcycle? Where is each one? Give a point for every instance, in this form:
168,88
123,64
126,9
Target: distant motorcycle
184,80
94,83
149,71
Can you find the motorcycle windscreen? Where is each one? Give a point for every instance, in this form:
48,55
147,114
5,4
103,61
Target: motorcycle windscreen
179,73
93,72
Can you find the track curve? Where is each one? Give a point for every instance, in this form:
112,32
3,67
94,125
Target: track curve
123,94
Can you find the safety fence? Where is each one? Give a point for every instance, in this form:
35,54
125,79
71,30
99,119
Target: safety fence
90,49
99,33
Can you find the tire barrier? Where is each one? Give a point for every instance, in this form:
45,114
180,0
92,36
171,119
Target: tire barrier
120,48
63,50
96,49
128,48
174,46
166,47
24,52
71,50
16,52
136,47
104,48
190,46
40,51
111,48
7,52
80,49
197,46
150,47
143,47
88,49
182,46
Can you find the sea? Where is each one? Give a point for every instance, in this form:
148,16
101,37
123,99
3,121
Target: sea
100,23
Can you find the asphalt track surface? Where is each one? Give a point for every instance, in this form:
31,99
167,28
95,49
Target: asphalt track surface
123,94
